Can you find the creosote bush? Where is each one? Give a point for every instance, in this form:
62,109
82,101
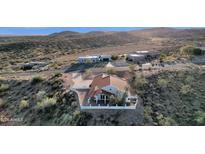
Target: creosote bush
163,56
111,71
36,80
88,72
162,83
23,104
4,87
2,103
200,118
46,102
132,68
139,81
40,95
186,89
114,57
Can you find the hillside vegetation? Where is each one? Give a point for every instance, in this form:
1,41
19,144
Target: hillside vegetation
15,50
173,98
43,102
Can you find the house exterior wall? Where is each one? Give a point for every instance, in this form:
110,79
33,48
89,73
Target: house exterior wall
136,58
133,107
88,59
105,57
94,59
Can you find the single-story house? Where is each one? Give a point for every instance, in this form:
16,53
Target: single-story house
103,87
105,57
141,56
88,59
94,58
135,57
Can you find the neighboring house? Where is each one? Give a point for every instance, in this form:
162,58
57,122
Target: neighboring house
105,57
135,57
88,59
103,87
142,56
94,58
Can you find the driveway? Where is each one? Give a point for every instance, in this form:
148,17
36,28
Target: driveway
79,82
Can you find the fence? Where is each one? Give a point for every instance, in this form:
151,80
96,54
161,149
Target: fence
133,107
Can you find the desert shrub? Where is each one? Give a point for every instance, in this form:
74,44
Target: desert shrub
23,104
58,74
56,84
200,118
190,50
110,71
117,100
189,79
4,87
162,56
80,118
165,121
88,72
162,83
65,119
36,80
2,103
40,95
132,68
55,65
148,114
139,81
114,57
185,89
168,121
46,102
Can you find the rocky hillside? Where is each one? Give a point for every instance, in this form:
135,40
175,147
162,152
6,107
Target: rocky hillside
39,102
173,97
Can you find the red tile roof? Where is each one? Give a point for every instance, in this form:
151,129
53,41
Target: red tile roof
103,80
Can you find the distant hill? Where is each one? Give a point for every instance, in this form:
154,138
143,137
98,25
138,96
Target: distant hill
26,47
170,33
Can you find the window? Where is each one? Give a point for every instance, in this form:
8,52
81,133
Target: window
102,97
